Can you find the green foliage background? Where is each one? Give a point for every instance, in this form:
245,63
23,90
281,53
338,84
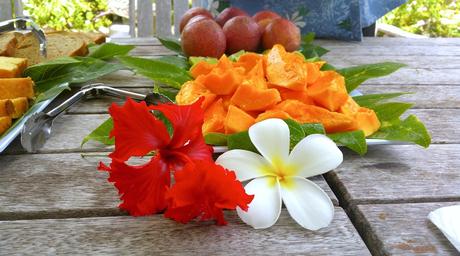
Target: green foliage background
435,18
68,14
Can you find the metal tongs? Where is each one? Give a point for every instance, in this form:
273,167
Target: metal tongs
37,129
25,23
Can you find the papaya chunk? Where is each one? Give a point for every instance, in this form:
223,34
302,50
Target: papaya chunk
273,113
350,107
332,121
286,69
237,120
329,90
249,60
251,98
214,118
367,121
191,91
302,96
201,68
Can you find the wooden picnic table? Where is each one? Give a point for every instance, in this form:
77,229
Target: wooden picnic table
56,202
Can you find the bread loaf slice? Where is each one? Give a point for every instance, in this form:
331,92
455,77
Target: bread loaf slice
5,123
8,43
12,67
65,44
20,106
11,88
28,47
6,107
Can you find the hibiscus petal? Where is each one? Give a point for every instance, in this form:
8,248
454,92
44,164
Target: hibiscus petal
136,130
307,203
142,188
187,121
246,164
271,138
265,208
316,154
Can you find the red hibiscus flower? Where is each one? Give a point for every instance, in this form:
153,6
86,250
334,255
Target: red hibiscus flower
138,132
202,190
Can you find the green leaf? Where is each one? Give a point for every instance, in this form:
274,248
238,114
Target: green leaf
234,57
46,69
101,134
165,121
172,44
354,76
327,66
296,132
52,92
241,141
177,61
216,139
167,92
354,140
308,38
390,111
157,70
313,128
87,69
109,50
195,60
308,49
371,100
409,130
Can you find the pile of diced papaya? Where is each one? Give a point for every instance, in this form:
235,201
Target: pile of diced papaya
277,84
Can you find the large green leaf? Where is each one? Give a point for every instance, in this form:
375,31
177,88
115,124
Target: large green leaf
370,100
240,141
354,76
296,132
308,49
391,110
44,70
172,44
217,139
101,134
177,61
313,128
195,60
157,70
354,140
409,130
109,50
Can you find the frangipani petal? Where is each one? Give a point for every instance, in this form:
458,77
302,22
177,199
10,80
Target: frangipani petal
246,164
271,138
265,208
307,203
316,154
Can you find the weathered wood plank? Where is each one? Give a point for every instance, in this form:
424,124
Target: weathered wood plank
401,229
159,236
56,185
163,18
427,62
399,173
180,7
144,18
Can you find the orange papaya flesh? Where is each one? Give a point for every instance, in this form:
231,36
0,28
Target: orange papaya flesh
367,121
214,118
201,68
302,96
286,69
329,90
312,71
237,120
223,83
191,91
251,98
332,121
273,113
249,60
350,107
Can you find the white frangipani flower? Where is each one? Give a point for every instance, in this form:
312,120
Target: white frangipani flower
277,176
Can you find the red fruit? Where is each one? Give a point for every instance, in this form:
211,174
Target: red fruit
284,32
229,13
263,18
203,37
192,13
197,18
242,33
265,14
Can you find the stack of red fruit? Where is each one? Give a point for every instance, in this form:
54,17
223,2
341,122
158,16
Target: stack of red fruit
234,30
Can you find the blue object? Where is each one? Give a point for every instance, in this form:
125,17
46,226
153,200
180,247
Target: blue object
339,19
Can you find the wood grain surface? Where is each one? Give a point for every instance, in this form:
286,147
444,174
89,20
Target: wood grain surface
402,229
399,174
156,235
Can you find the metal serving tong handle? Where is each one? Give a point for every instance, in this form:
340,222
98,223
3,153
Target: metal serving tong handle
37,129
25,23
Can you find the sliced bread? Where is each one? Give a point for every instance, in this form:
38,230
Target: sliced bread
11,88
8,43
